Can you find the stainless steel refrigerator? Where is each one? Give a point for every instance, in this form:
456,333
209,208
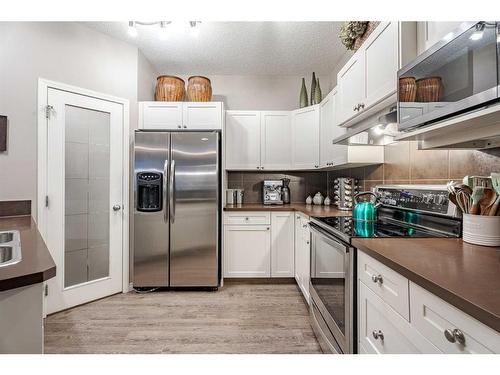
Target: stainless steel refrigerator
177,209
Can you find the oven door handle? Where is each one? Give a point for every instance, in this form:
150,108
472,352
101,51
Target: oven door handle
315,228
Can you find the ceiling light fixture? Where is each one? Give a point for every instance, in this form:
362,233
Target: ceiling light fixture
195,31
132,31
163,29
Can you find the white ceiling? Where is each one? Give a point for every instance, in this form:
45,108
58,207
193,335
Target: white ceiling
236,48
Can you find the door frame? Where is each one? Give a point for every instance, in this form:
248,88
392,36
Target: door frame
43,86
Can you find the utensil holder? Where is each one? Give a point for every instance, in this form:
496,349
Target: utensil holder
481,229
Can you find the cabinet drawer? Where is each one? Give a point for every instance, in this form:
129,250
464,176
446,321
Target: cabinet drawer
432,316
247,217
386,283
383,331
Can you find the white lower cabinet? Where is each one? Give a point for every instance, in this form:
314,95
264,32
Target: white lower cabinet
430,326
383,330
247,250
282,244
302,254
259,244
448,328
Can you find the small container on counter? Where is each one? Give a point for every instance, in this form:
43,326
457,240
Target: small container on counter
231,196
239,195
481,229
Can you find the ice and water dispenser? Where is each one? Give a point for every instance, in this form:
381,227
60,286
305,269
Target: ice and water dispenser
149,191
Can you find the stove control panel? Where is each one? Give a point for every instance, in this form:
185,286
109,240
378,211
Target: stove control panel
433,200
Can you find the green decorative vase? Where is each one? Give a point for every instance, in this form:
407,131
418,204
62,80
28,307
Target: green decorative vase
303,101
317,92
313,88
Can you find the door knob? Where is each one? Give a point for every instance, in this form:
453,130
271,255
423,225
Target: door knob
117,207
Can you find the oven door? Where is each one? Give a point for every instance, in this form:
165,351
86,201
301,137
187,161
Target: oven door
458,74
331,286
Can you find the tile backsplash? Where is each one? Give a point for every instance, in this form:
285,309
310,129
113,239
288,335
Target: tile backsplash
404,164
302,184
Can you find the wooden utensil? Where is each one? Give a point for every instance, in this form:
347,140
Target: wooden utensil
477,195
487,201
495,182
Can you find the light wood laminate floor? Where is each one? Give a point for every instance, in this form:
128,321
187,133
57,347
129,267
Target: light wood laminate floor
239,318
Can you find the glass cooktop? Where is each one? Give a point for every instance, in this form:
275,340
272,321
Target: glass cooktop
380,228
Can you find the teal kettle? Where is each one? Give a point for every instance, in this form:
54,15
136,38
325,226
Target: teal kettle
365,211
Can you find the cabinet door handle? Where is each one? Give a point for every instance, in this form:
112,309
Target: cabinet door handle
362,105
378,334
179,126
267,228
455,335
377,279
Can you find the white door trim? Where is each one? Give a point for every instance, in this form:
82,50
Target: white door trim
43,87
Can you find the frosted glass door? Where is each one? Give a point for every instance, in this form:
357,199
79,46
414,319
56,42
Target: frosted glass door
84,213
86,248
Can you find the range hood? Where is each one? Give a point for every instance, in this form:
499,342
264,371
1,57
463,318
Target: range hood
477,130
377,130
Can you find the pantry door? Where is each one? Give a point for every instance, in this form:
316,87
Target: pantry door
83,218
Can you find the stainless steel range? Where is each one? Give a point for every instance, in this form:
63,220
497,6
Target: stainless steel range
411,211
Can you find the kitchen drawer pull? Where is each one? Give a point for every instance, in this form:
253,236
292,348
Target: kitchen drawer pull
378,334
377,279
455,336
247,218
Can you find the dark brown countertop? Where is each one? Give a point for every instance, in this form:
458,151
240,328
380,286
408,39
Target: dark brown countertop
307,209
465,275
36,265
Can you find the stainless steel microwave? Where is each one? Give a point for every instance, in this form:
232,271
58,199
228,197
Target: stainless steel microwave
457,75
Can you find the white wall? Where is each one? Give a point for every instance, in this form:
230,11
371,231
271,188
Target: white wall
146,79
65,52
260,92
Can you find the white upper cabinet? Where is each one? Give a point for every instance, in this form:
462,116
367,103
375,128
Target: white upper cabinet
351,88
180,115
327,129
368,82
305,138
381,64
430,32
276,140
243,134
160,115
202,115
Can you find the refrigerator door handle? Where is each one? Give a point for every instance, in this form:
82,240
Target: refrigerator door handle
165,189
172,192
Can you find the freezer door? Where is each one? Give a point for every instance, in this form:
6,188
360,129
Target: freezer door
151,220
194,202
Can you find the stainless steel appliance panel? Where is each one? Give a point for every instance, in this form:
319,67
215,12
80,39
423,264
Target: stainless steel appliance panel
331,286
151,230
194,203
466,63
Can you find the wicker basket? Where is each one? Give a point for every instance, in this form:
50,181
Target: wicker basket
369,29
199,89
169,89
429,89
407,89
